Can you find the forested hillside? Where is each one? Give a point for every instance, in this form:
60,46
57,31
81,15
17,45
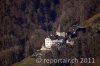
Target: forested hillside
25,23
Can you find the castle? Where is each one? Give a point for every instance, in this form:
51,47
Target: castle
58,38
55,39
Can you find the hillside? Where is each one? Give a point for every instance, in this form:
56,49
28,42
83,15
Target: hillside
25,23
91,21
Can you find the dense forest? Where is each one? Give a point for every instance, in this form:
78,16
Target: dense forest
25,23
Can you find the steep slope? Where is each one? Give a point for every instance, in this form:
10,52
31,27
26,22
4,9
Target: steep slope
25,23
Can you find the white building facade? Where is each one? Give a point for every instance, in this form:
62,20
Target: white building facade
62,34
48,42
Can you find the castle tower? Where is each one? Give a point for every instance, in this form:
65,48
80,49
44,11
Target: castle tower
60,32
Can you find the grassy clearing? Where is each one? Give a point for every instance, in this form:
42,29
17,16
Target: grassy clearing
26,62
29,61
